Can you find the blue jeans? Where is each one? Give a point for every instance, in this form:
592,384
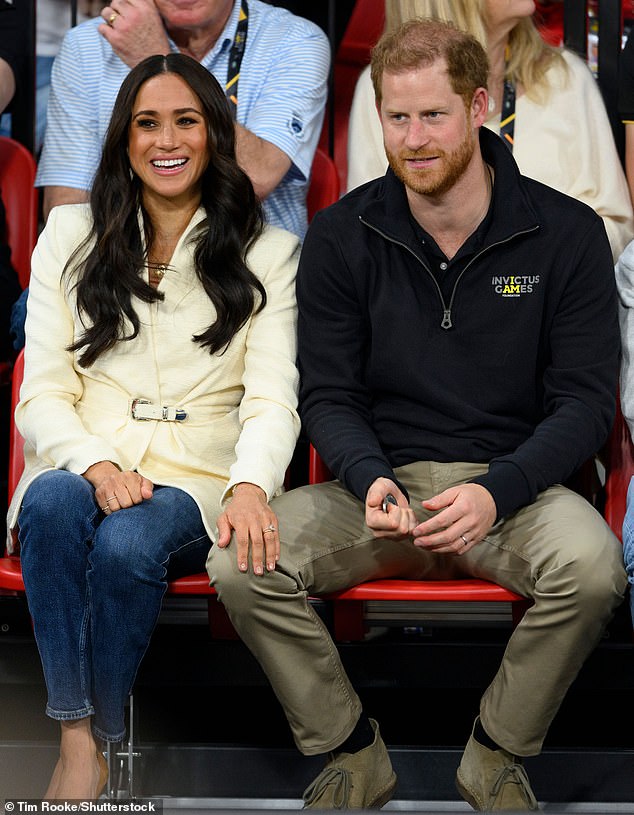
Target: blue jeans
628,542
94,586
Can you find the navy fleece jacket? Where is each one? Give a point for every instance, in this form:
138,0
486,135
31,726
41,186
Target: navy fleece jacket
512,361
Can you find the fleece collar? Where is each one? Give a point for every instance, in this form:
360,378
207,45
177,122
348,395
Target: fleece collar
387,209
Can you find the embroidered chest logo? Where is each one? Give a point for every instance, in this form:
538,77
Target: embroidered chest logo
514,285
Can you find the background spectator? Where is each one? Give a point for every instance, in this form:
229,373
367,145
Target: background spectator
626,107
52,21
282,61
625,283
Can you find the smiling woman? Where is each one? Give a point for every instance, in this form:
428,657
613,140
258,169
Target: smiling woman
169,151
142,306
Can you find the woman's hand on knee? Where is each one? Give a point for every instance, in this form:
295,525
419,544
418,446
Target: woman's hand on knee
116,489
254,524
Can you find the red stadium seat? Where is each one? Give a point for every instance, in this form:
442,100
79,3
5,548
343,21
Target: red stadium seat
619,464
20,198
10,572
362,32
16,442
349,605
324,187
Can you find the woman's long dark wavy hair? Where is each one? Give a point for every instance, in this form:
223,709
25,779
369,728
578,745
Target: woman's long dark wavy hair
108,265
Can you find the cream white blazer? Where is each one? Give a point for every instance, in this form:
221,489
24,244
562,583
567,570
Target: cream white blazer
241,405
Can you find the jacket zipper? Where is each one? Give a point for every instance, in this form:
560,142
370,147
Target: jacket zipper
446,321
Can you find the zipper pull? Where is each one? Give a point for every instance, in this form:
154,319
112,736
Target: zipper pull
446,320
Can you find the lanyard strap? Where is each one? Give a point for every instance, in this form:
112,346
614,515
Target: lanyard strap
235,57
507,116
507,122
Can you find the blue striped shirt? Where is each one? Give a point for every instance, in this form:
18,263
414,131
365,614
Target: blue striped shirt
281,98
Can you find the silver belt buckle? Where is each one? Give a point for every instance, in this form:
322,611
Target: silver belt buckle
136,403
144,411
179,414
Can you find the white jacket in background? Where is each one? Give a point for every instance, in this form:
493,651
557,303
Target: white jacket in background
624,271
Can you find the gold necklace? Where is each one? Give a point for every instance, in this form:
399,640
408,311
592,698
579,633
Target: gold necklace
156,272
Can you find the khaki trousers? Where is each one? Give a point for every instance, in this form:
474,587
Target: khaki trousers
558,551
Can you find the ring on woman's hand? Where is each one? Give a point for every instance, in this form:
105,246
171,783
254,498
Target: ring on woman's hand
114,498
464,540
105,509
112,18
270,528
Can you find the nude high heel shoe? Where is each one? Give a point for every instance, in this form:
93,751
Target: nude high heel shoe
103,773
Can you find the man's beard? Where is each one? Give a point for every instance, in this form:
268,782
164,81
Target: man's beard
438,180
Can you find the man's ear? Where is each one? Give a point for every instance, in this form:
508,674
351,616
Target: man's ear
479,106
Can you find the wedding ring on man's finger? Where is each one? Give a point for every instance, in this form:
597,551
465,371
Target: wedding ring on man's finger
112,18
464,540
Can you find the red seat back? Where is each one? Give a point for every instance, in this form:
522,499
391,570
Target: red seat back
364,28
20,197
323,188
619,465
362,32
10,571
16,442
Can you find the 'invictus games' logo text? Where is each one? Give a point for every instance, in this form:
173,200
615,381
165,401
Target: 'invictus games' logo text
514,285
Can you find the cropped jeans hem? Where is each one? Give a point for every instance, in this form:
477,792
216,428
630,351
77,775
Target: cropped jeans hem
108,736
70,715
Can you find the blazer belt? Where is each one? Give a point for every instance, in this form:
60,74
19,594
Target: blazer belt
144,410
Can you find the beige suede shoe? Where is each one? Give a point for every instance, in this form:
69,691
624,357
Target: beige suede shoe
363,780
494,780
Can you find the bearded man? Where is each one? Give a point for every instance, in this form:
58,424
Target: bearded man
458,352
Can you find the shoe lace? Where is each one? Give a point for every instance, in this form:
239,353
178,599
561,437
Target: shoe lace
337,776
514,774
